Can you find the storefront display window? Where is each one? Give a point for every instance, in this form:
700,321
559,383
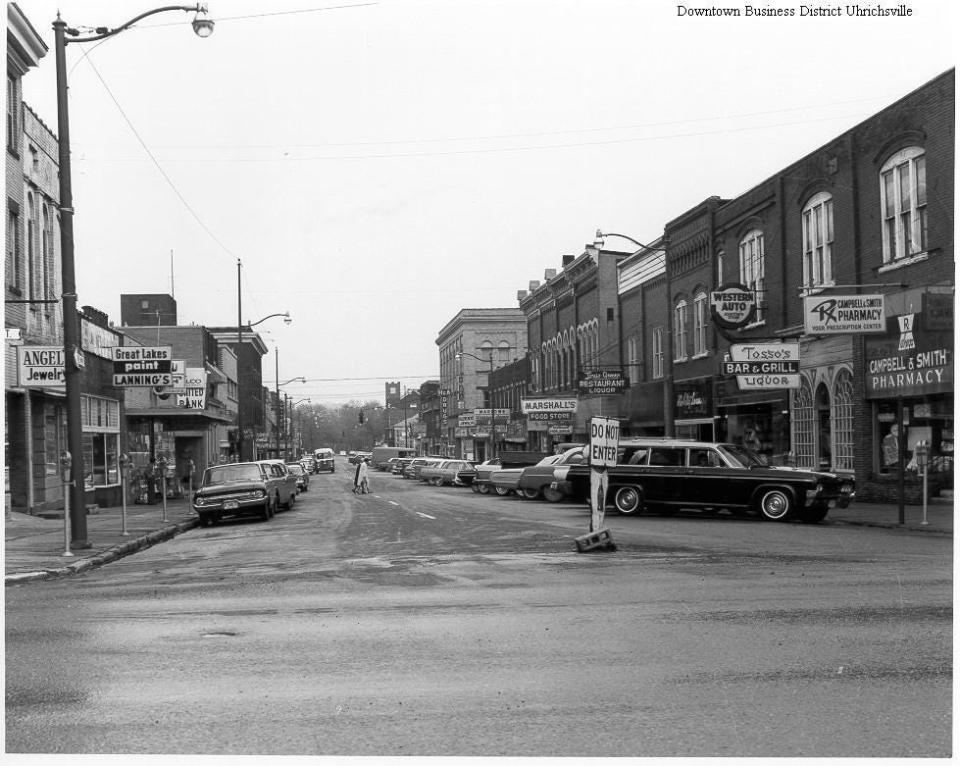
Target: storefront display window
929,420
100,459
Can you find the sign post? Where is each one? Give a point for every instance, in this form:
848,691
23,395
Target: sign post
922,454
124,466
604,442
66,461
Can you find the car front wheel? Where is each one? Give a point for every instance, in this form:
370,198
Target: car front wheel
530,493
628,500
775,505
484,489
552,495
502,491
436,481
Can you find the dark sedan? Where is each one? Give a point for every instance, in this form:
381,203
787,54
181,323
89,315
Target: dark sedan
236,489
667,475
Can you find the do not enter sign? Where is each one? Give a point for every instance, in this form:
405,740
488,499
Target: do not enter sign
604,441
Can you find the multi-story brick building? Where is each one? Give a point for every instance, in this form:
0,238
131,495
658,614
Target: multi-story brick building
471,344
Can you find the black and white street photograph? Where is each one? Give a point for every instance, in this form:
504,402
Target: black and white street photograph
469,379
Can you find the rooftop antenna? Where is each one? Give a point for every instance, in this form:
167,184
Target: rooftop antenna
172,294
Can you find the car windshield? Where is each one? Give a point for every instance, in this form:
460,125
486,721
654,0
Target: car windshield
742,456
230,473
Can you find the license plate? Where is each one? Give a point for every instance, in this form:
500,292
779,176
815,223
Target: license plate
230,505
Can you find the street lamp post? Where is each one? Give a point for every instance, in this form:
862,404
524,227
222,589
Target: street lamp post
668,403
277,393
250,325
493,412
73,354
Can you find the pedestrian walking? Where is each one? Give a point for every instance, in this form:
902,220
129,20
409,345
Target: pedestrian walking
363,477
356,478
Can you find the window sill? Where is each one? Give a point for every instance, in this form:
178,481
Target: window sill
817,289
754,325
681,359
902,262
701,355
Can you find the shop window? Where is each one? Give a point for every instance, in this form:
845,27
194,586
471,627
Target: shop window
903,191
842,419
100,453
818,241
804,433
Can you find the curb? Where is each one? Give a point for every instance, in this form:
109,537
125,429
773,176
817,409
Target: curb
111,554
889,525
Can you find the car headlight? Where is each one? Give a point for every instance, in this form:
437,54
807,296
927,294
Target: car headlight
256,494
199,500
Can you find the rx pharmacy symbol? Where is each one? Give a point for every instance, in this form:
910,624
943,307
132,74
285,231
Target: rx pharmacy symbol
906,332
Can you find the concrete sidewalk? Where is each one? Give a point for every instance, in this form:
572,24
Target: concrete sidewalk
34,545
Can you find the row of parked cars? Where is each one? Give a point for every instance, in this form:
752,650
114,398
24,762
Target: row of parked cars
258,488
662,475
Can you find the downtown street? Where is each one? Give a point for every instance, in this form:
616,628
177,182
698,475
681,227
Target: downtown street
426,621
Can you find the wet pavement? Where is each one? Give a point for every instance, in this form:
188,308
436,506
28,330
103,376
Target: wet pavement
35,545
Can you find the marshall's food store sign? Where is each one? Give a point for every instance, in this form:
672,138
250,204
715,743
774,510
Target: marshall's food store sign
554,415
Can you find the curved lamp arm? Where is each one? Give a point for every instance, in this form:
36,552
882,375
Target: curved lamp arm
202,27
285,314
300,378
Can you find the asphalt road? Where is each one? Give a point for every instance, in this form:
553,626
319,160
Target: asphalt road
436,622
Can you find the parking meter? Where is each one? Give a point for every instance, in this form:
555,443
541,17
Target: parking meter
124,462
66,462
921,453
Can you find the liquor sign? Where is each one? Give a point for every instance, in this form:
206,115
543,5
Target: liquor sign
733,305
843,314
195,397
40,366
601,382
764,365
142,365
528,406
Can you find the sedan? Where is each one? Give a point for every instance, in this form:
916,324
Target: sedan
445,472
301,475
536,480
236,489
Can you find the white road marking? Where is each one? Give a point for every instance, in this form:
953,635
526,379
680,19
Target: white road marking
393,502
426,516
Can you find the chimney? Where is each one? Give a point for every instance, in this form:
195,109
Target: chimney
549,274
521,294
568,259
534,284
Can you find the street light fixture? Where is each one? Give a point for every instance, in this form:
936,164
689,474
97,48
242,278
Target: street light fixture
73,354
493,412
299,378
668,403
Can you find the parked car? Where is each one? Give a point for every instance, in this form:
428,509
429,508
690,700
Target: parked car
507,480
444,472
402,463
286,484
356,457
668,475
309,463
412,471
234,490
380,457
536,480
483,472
301,476
324,460
428,462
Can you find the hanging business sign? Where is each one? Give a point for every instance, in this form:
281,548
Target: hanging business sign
602,382
142,365
733,305
908,361
195,396
528,406
764,365
843,314
40,366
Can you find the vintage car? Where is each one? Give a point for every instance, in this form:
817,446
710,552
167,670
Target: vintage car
669,475
537,480
400,465
323,458
483,472
412,471
286,483
301,475
236,489
506,480
444,472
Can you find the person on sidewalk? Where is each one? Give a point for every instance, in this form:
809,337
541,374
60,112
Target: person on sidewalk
363,477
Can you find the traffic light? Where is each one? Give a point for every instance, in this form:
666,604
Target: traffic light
360,417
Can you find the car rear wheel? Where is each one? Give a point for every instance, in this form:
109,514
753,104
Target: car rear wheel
484,489
502,491
436,481
775,505
628,500
552,495
530,493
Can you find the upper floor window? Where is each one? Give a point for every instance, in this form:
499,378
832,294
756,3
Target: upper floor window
633,370
700,324
656,347
720,268
486,351
13,115
504,351
818,241
681,322
903,199
13,267
752,268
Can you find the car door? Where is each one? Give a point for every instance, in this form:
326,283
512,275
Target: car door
663,480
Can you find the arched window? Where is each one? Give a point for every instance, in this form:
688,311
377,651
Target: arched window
503,351
818,241
656,350
803,425
486,351
32,272
903,200
752,268
46,255
841,418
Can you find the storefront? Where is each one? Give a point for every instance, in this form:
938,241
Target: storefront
758,419
909,370
693,409
642,409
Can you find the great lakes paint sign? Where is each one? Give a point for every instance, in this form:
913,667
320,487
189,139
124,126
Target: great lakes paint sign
843,314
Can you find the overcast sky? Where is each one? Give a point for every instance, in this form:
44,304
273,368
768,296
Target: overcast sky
378,166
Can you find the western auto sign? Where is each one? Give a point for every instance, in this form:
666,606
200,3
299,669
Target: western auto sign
600,382
764,365
733,306
528,406
843,314
40,366
142,365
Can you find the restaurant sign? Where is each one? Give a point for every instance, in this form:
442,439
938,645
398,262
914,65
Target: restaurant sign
601,382
764,365
843,314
